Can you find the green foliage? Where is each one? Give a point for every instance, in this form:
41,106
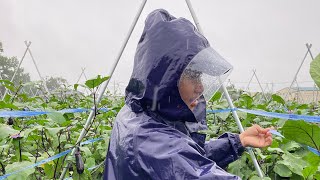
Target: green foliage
92,83
8,66
314,70
55,83
302,132
285,158
282,170
278,99
1,49
18,166
6,130
216,96
46,135
56,117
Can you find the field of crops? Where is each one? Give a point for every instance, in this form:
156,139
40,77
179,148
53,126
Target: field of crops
26,141
37,133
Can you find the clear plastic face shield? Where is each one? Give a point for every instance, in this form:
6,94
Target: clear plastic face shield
203,76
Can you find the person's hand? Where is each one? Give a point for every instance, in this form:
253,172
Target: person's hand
256,136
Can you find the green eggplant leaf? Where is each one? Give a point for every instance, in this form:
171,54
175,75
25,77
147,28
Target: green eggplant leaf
6,130
282,170
92,83
302,132
16,166
278,99
56,117
315,70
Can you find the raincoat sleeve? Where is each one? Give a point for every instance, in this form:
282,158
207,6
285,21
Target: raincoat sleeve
168,154
224,150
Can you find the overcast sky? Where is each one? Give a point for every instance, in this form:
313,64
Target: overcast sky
266,35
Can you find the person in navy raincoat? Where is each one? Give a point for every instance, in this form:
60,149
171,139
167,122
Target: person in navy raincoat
155,135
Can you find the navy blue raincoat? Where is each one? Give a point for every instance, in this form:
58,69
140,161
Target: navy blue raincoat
155,134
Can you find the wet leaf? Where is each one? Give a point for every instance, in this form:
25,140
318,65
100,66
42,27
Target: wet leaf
278,99
302,132
92,83
314,70
216,96
18,166
282,170
56,117
6,130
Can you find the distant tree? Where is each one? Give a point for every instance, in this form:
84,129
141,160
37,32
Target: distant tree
1,49
8,66
55,83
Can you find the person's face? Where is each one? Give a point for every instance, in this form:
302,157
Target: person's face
190,90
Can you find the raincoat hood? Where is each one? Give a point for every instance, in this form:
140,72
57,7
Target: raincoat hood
166,47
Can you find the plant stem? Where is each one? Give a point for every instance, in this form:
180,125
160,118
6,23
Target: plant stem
20,151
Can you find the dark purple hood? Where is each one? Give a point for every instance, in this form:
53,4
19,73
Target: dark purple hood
165,48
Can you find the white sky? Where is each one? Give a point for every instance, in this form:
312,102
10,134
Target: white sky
266,35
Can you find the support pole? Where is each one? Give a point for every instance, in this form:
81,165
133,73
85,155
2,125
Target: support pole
35,64
15,72
299,96
92,113
249,82
314,99
296,75
235,115
263,94
82,72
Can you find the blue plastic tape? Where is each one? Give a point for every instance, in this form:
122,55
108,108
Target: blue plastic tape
21,113
8,114
37,164
77,110
49,159
221,110
93,167
313,119
274,132
90,141
314,150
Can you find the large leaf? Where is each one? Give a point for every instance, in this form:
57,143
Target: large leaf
259,178
4,105
308,172
90,162
246,101
8,84
240,167
302,132
19,166
6,130
295,164
315,70
278,99
282,170
56,117
54,131
216,96
290,146
92,83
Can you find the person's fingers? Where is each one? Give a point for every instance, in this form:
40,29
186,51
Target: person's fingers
261,130
269,140
268,134
267,129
